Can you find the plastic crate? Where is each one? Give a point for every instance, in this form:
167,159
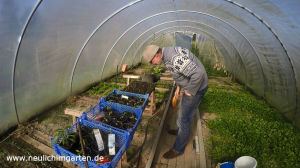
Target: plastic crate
120,106
122,138
227,165
98,109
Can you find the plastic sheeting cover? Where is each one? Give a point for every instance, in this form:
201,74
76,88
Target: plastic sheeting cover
52,49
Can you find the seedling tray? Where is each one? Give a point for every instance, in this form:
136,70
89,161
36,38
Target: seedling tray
122,138
121,106
98,110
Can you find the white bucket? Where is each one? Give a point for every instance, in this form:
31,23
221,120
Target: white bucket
245,162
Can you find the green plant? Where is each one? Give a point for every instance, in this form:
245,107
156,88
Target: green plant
246,126
161,95
158,69
163,84
156,72
79,152
64,137
103,88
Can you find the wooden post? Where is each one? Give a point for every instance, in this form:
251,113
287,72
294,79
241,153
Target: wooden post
74,119
152,103
130,76
128,81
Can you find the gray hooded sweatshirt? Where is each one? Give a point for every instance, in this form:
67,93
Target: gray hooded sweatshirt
186,69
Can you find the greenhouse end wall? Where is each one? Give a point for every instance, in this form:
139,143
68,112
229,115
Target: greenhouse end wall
51,49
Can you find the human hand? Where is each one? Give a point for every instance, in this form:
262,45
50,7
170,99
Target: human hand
187,93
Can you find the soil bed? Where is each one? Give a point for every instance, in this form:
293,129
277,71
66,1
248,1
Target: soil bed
140,87
122,121
130,101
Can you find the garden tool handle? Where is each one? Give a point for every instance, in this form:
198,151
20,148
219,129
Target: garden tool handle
175,97
174,101
81,144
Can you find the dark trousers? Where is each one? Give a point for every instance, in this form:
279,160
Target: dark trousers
186,113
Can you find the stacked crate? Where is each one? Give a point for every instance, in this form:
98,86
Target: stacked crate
123,137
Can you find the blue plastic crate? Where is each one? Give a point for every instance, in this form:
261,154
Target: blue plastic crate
120,106
227,165
98,109
122,138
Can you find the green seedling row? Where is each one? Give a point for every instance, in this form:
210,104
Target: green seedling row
247,126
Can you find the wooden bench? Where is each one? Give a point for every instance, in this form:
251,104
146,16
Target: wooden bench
152,106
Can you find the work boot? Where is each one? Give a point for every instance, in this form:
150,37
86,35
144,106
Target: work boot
172,131
171,154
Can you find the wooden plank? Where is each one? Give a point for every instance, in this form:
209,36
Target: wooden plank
73,112
91,100
42,137
201,142
128,76
124,160
167,141
163,166
197,156
43,148
154,146
119,165
74,119
166,78
70,165
131,76
162,148
147,114
197,160
166,74
128,79
151,106
189,151
152,103
159,165
180,161
172,162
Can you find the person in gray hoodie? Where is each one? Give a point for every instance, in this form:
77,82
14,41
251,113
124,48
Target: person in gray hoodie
190,75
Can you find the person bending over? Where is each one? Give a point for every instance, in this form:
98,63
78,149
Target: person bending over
190,75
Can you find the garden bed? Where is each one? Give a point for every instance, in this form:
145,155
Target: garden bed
140,87
236,123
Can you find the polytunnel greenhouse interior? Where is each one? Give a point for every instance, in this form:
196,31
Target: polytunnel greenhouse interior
52,49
